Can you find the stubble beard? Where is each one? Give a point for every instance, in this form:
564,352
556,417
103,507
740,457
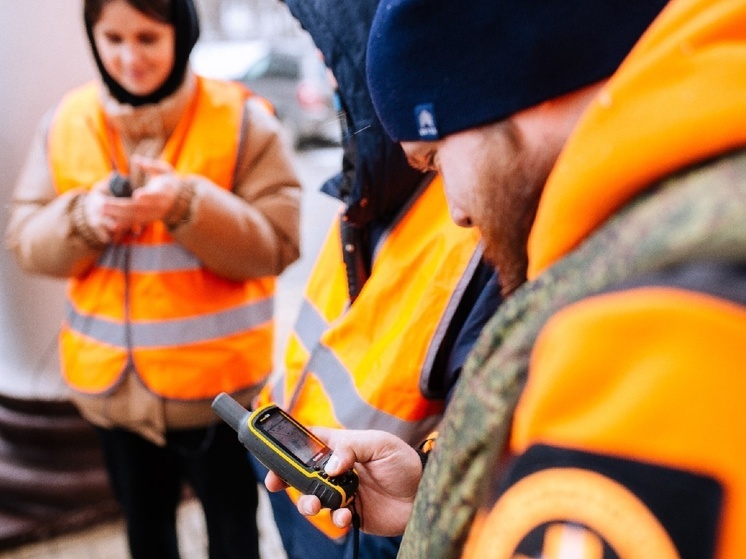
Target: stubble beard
506,204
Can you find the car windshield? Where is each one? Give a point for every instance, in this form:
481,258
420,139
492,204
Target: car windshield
275,65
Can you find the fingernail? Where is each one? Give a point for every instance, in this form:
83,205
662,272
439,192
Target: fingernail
332,464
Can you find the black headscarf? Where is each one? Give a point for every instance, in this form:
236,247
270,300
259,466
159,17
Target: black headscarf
186,30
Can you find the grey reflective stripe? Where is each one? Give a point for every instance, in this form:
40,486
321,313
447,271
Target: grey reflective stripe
278,390
170,257
103,330
355,413
167,333
113,258
310,325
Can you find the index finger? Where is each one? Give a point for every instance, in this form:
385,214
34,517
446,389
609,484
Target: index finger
273,482
350,446
151,166
343,455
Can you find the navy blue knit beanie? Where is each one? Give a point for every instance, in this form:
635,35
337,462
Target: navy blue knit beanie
436,67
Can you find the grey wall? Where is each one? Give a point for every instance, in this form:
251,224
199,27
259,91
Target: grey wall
43,53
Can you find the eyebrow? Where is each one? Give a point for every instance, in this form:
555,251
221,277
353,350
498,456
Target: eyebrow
420,157
416,163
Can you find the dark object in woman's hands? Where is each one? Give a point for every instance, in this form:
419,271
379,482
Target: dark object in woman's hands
120,186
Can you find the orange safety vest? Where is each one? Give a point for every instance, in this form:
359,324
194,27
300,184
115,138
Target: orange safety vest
361,366
148,302
630,433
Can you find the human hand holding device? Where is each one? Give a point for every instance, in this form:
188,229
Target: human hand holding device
287,448
389,471
132,208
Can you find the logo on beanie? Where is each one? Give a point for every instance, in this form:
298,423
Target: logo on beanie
425,117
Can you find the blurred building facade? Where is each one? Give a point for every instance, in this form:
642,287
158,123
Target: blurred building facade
246,19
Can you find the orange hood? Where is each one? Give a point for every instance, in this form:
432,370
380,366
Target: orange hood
678,98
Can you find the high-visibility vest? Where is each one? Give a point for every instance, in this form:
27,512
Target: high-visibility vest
628,453
364,366
630,431
148,302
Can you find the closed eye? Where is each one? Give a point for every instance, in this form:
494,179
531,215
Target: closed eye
423,161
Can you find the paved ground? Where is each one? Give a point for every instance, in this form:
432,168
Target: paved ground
107,541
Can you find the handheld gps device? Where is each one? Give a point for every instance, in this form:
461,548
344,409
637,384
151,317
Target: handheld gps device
120,186
288,449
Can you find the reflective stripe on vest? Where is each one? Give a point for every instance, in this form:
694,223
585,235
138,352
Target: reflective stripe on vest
149,302
173,332
158,258
340,386
360,367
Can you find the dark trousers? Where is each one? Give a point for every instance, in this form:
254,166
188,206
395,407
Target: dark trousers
148,480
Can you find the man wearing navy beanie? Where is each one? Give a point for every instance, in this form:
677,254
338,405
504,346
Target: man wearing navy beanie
600,413
474,62
438,67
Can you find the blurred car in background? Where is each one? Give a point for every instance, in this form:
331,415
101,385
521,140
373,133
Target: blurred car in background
295,81
290,74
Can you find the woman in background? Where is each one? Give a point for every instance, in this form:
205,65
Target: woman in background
170,202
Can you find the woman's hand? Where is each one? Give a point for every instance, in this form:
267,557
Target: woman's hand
389,471
102,227
151,202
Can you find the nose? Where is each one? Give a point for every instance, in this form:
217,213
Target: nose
460,217
128,53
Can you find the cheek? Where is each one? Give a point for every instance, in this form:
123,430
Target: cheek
166,52
164,56
454,189
459,182
161,63
459,189
108,54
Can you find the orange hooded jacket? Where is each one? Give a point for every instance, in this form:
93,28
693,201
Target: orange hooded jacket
644,383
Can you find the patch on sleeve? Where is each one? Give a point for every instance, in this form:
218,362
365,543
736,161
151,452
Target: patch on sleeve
561,503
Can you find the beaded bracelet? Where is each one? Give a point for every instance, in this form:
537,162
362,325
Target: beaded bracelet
181,211
80,224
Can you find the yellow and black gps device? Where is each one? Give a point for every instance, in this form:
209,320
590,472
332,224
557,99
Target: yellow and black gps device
288,449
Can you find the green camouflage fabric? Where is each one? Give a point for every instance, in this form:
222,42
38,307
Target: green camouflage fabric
698,214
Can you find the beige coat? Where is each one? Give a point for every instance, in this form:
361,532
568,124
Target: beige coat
252,231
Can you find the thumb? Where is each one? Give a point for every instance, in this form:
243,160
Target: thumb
350,446
151,166
344,453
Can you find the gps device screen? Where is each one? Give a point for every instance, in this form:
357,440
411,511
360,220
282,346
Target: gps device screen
293,439
290,450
